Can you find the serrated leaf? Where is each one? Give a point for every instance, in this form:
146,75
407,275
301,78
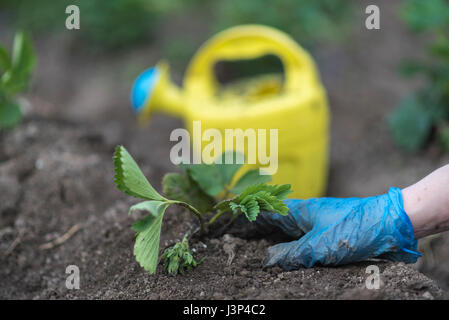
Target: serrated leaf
249,178
282,191
253,189
265,205
255,198
410,124
234,206
257,188
130,179
278,205
181,187
10,114
146,248
252,209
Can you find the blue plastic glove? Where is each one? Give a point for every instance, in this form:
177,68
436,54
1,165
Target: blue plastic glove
336,231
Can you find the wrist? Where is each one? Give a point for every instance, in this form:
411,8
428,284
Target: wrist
413,207
427,203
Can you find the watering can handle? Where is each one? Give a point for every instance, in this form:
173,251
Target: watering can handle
249,42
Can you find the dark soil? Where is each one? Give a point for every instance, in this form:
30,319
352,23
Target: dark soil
57,174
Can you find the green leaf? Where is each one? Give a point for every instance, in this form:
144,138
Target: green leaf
282,191
22,64
181,187
150,206
146,248
10,114
179,257
23,56
5,61
410,124
256,198
252,208
249,178
270,202
130,179
213,178
266,201
208,177
229,170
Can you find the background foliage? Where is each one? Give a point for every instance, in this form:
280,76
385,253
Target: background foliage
119,23
306,20
15,71
424,114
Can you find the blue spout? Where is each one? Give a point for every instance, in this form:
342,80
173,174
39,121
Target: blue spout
143,88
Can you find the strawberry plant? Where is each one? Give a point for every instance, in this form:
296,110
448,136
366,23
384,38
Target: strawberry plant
425,113
207,191
15,72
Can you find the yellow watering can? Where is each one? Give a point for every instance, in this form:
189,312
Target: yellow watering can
296,106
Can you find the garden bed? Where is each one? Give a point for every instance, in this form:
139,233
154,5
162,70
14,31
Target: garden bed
59,207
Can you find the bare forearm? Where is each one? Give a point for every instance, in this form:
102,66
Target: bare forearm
427,203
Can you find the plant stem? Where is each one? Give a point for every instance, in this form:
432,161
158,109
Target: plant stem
216,216
192,210
227,225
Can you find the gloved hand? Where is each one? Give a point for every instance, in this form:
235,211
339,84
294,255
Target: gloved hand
336,231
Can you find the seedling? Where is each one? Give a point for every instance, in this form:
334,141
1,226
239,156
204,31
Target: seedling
208,192
179,258
14,75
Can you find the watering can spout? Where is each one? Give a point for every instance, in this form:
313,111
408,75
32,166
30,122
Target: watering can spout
153,90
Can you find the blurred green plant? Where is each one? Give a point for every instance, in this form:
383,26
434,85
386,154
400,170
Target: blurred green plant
104,24
120,23
180,50
426,110
307,21
15,71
